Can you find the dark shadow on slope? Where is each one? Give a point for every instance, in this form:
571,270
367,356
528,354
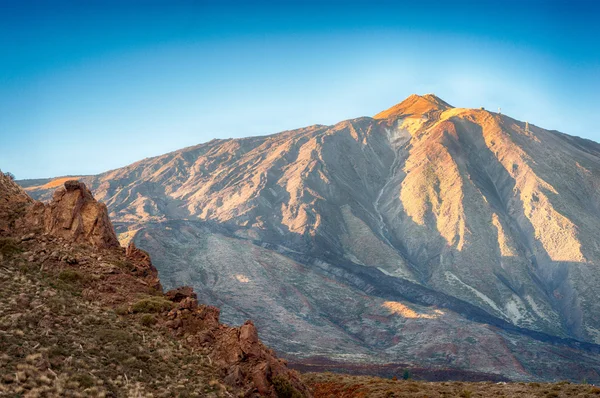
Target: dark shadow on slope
550,276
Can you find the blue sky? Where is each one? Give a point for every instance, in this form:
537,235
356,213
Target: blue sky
88,86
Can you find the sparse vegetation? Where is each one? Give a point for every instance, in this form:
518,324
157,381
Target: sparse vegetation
8,174
55,343
69,276
329,385
9,247
148,320
466,394
151,304
284,388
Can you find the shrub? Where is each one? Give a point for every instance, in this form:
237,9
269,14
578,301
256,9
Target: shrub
406,374
151,304
9,247
83,380
148,320
466,394
122,310
285,389
535,384
69,276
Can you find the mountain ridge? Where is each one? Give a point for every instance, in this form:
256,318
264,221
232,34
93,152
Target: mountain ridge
466,202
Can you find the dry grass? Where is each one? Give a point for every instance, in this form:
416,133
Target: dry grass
331,385
55,343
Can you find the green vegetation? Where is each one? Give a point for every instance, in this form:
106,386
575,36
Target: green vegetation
64,345
151,304
148,320
70,276
406,374
284,388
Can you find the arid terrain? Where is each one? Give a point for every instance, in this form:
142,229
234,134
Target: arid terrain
427,235
331,385
82,316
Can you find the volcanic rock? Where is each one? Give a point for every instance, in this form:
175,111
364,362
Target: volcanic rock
74,215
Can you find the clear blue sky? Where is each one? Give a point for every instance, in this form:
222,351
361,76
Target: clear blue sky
87,86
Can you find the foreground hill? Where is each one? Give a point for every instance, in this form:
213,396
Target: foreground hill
427,235
80,316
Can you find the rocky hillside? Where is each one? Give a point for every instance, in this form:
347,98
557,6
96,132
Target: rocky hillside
81,316
427,235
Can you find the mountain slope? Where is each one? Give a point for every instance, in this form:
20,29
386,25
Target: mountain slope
468,204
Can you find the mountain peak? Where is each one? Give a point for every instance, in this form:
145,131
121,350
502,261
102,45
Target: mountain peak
415,105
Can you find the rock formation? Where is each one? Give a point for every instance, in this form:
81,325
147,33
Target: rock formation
238,350
74,215
13,202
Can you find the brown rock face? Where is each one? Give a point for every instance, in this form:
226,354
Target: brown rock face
75,216
245,361
180,293
143,266
13,201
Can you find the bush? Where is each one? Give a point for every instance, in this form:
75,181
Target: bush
148,320
406,374
122,310
285,389
9,247
151,304
69,276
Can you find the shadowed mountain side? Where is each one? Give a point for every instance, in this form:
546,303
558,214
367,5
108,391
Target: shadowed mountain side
350,312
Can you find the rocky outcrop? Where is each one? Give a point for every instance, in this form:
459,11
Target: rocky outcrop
13,203
244,360
142,266
74,215
72,239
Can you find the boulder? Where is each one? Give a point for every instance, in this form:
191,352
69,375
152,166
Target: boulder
180,293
